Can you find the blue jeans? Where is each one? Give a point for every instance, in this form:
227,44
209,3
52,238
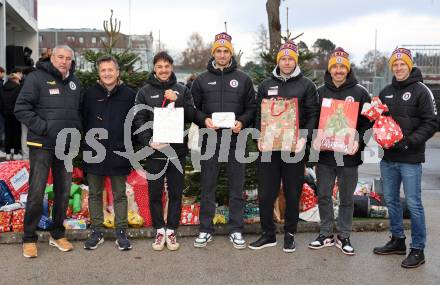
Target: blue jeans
392,175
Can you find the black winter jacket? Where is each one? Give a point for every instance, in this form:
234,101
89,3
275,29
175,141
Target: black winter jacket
349,89
152,95
108,110
412,106
9,97
297,86
48,103
228,90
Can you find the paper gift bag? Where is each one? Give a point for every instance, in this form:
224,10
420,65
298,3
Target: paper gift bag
337,124
168,125
279,124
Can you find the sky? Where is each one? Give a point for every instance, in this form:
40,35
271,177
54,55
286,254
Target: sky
347,23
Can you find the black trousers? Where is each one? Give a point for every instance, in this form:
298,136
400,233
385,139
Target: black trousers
175,182
208,182
270,175
41,160
12,134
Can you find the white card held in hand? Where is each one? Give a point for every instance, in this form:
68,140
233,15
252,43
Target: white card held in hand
168,125
223,119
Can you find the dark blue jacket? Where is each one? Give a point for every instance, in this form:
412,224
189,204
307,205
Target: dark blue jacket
108,110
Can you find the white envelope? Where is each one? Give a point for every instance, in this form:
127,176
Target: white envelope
223,119
168,125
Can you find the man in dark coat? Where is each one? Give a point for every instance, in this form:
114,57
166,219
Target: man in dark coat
223,88
412,106
49,102
106,106
340,83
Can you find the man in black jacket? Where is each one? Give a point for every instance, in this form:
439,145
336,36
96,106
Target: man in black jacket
286,82
49,101
412,106
220,89
106,106
340,83
166,160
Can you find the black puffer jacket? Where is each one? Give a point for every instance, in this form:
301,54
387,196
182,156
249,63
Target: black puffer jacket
152,95
296,86
9,97
48,103
108,110
349,89
230,90
412,105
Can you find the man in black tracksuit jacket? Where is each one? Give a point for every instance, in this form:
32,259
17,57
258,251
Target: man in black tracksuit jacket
222,88
340,83
161,90
412,106
287,82
49,101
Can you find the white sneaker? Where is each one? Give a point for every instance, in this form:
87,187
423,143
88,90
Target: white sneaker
203,239
159,242
171,241
2,154
237,240
8,156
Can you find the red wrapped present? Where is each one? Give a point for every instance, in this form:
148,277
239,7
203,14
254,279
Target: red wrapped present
18,220
387,132
137,180
16,175
5,218
190,214
308,198
374,109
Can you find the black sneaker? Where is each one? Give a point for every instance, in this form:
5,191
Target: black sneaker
121,240
394,246
415,258
345,245
322,241
95,239
265,240
289,242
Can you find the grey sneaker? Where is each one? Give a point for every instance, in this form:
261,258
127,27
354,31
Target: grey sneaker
237,240
203,239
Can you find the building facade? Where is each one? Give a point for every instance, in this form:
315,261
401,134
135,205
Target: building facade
18,26
92,39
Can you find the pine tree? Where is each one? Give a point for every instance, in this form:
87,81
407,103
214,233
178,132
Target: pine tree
126,59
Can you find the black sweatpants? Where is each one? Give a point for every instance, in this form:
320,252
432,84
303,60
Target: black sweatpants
270,175
175,182
41,160
12,134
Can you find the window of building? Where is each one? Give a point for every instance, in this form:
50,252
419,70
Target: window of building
103,39
40,38
81,40
93,40
70,38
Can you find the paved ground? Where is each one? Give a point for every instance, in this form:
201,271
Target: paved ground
219,263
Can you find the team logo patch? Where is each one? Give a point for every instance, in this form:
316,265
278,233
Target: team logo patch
349,99
222,42
339,60
72,85
406,96
398,55
286,52
233,83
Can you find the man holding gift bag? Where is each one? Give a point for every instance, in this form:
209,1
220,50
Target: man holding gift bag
225,101
286,86
340,87
411,104
163,91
